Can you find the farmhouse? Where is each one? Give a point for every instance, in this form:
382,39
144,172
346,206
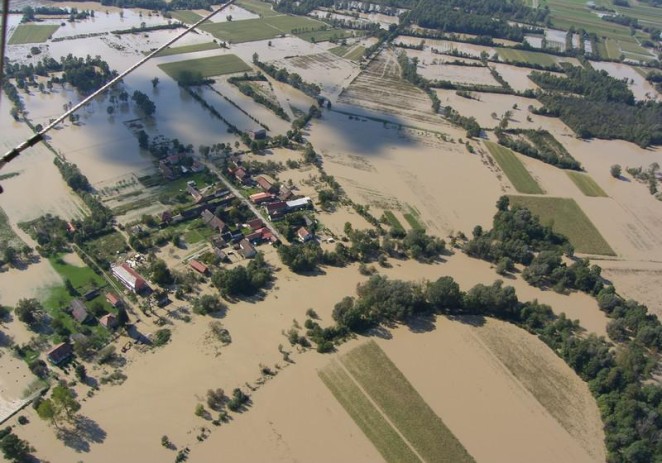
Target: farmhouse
259,198
255,224
266,183
304,235
241,175
259,134
129,277
60,353
108,321
212,221
246,249
78,311
113,300
198,266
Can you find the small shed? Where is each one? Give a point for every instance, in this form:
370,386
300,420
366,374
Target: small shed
108,321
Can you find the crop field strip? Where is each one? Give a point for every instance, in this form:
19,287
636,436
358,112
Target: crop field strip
393,221
523,56
257,7
373,424
208,67
186,16
514,169
403,405
189,49
586,184
32,33
270,27
566,217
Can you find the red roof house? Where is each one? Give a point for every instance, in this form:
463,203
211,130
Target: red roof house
60,353
198,266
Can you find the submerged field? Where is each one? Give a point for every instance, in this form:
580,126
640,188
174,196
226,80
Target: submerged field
188,49
268,27
566,217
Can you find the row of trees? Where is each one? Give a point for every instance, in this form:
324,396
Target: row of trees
538,144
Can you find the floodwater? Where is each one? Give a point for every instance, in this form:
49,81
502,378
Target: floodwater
641,88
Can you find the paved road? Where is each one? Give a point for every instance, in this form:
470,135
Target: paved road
236,192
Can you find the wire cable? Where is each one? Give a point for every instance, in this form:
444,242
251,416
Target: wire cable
39,136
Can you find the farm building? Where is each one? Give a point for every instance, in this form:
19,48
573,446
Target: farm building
78,311
297,204
60,353
198,266
129,277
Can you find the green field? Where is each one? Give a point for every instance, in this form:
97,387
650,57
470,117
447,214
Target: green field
403,406
567,13
566,217
354,53
208,67
188,49
586,184
523,56
255,6
382,435
32,33
261,29
186,16
393,221
514,169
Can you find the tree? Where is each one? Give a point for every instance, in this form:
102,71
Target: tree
14,448
615,171
155,82
64,401
81,372
46,411
207,304
160,273
29,311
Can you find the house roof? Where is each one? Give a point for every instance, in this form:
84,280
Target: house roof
240,173
303,233
256,235
275,206
211,220
78,310
264,183
247,248
255,223
108,321
59,353
257,197
113,299
301,202
198,266
129,276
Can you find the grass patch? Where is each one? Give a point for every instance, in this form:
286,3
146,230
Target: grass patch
514,169
131,206
7,235
107,247
325,36
586,184
32,33
198,232
565,216
208,67
413,218
270,27
393,221
188,49
356,53
403,405
382,435
257,7
528,57
186,16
